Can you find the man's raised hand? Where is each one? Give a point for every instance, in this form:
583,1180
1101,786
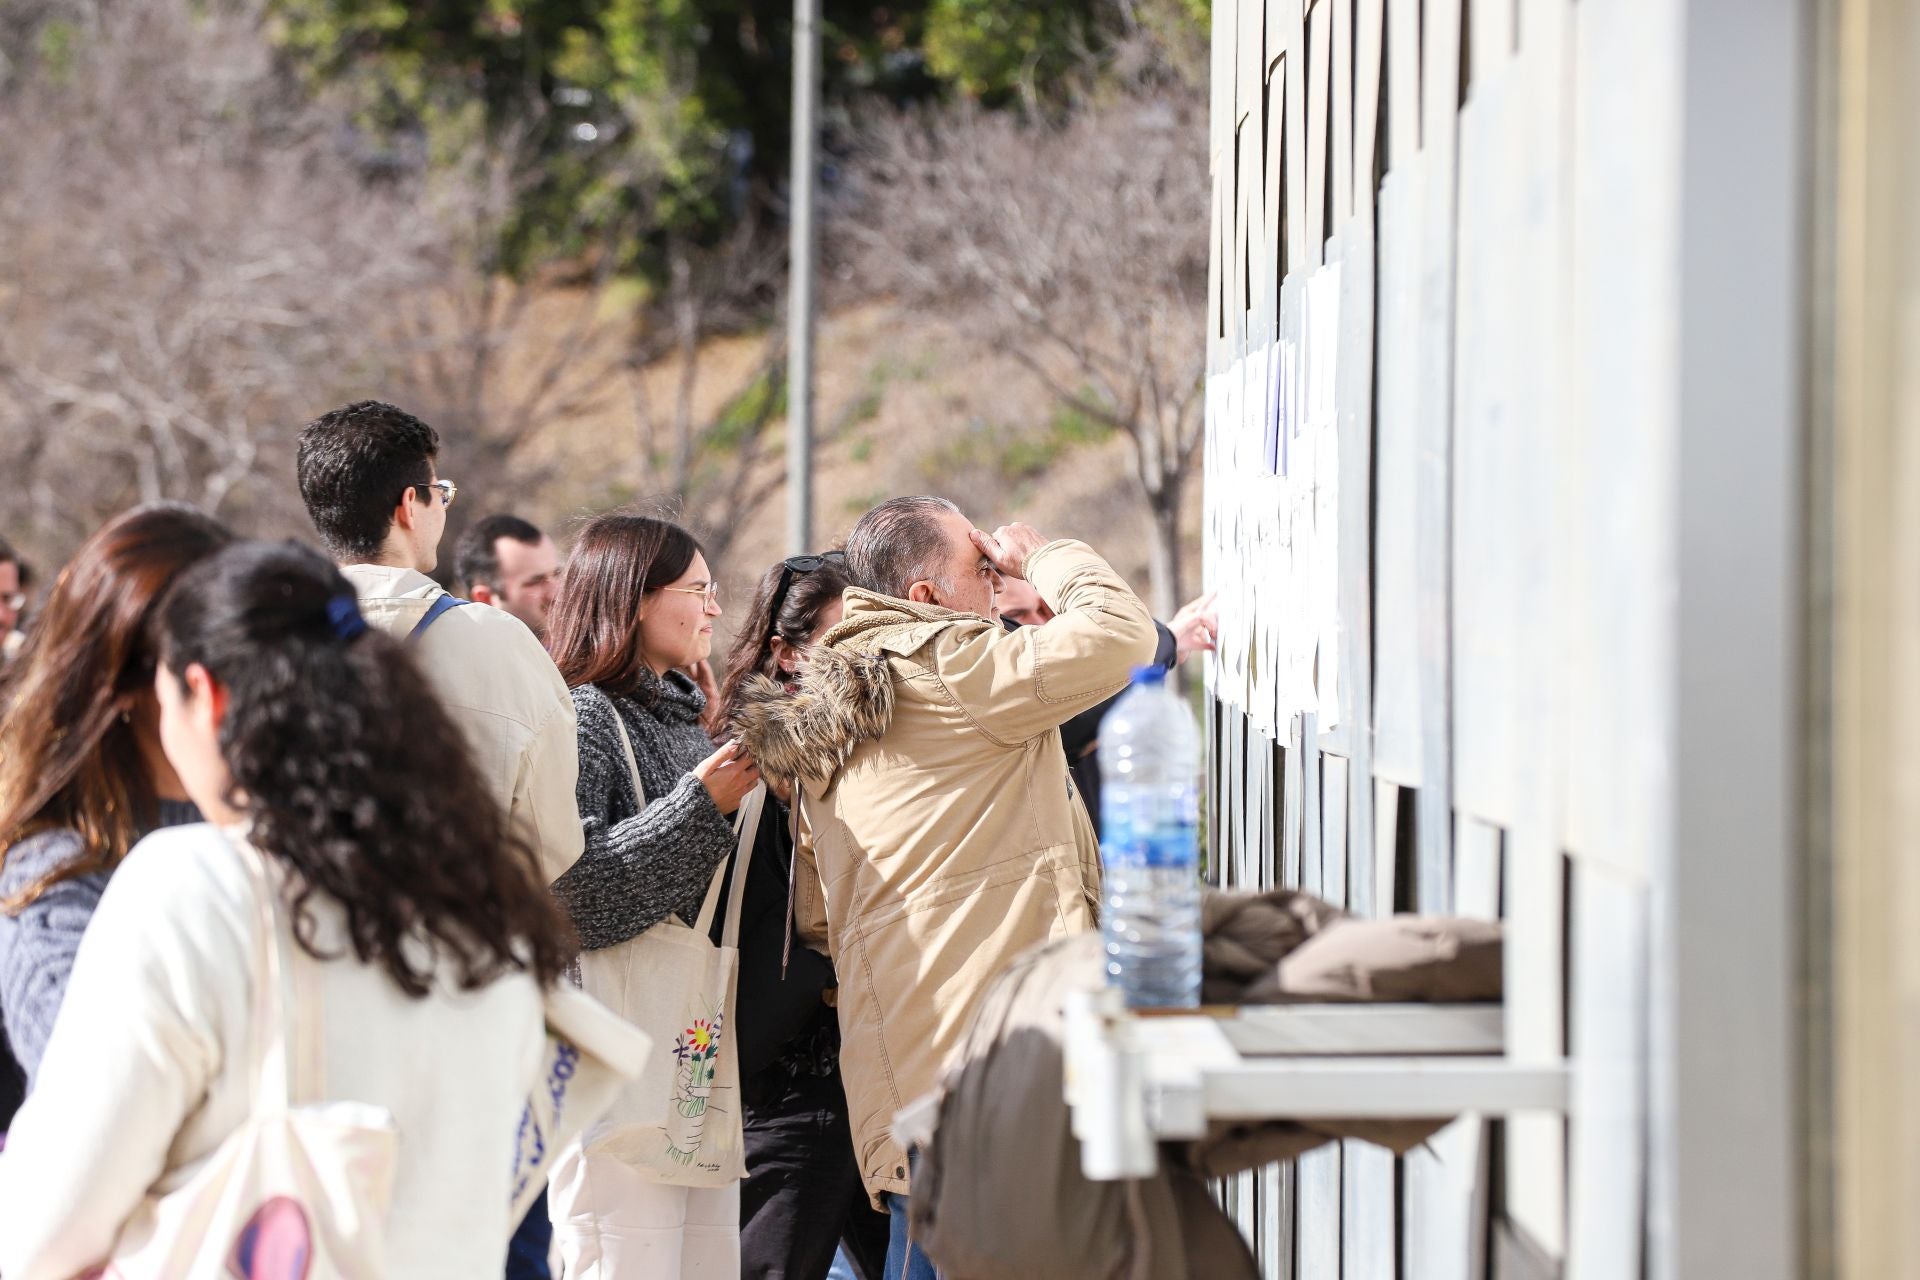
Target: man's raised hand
1008,547
1196,628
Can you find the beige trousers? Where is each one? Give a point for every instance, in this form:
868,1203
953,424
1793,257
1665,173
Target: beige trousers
612,1223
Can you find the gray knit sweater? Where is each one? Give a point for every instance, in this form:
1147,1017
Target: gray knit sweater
37,946
639,868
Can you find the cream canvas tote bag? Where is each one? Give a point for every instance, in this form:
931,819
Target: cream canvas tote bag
304,1189
298,1189
679,1122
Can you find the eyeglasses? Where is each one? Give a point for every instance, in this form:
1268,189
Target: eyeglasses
795,565
711,591
448,491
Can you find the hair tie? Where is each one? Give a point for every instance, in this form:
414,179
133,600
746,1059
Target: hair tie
343,613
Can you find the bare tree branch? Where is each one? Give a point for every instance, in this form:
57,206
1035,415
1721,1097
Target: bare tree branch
1078,248
192,265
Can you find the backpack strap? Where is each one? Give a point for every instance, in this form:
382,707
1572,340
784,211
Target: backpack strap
440,606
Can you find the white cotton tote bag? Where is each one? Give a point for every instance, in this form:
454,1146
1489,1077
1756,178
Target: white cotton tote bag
678,1125
303,1190
590,1056
296,1191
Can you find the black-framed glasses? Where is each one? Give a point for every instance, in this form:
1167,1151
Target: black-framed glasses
792,567
447,490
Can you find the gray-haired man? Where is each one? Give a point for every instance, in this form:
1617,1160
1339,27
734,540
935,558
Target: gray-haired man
935,800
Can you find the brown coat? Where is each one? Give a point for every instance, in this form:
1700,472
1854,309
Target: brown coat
938,813
1001,1193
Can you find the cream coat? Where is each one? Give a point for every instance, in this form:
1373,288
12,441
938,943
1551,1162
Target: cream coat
151,1067
939,812
505,694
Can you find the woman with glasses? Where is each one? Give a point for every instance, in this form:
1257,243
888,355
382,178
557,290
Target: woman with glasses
636,605
803,1197
82,775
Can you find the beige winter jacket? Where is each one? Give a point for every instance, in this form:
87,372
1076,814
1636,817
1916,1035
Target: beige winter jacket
505,694
937,808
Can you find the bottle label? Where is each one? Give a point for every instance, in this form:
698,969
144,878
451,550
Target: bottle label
1165,844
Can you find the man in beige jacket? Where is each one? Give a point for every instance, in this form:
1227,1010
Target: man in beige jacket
366,473
934,795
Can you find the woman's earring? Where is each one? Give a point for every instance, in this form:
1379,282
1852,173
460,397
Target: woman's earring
126,717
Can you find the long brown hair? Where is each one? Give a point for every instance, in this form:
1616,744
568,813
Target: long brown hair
594,629
69,758
808,593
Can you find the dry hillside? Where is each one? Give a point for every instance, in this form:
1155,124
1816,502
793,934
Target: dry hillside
906,410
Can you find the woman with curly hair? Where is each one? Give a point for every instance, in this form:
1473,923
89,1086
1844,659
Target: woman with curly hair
332,778
82,775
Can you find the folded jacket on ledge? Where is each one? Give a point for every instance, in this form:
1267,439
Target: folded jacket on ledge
998,1191
1283,945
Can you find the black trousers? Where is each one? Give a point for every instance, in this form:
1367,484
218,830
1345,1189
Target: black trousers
802,1198
527,1250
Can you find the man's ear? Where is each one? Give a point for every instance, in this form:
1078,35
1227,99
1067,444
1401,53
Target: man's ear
406,513
481,593
922,592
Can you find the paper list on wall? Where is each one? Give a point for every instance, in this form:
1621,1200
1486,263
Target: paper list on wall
1271,467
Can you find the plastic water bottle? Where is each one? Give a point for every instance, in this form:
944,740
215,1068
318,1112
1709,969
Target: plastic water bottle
1150,845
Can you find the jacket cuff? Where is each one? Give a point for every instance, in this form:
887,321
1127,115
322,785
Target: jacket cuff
1166,653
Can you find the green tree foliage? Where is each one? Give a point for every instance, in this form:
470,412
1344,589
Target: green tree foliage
680,106
994,49
684,99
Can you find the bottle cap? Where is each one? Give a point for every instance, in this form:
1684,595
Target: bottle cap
1152,673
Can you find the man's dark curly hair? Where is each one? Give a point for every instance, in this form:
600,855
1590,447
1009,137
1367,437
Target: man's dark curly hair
354,776
354,465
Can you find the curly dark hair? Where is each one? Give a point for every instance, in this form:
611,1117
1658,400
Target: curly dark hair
354,776
354,465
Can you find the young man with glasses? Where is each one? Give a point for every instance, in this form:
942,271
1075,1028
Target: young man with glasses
366,473
367,476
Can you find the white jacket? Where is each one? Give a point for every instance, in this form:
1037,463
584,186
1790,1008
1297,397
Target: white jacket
150,1068
505,694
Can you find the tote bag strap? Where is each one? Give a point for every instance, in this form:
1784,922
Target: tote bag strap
710,903
633,765
746,833
286,1000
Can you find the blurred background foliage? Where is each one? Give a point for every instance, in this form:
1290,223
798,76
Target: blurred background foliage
557,230
682,103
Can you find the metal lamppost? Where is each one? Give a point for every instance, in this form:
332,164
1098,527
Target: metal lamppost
803,186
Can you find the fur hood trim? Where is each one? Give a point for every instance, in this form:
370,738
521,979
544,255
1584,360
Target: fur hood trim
843,700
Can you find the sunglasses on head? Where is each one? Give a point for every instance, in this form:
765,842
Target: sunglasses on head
792,567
